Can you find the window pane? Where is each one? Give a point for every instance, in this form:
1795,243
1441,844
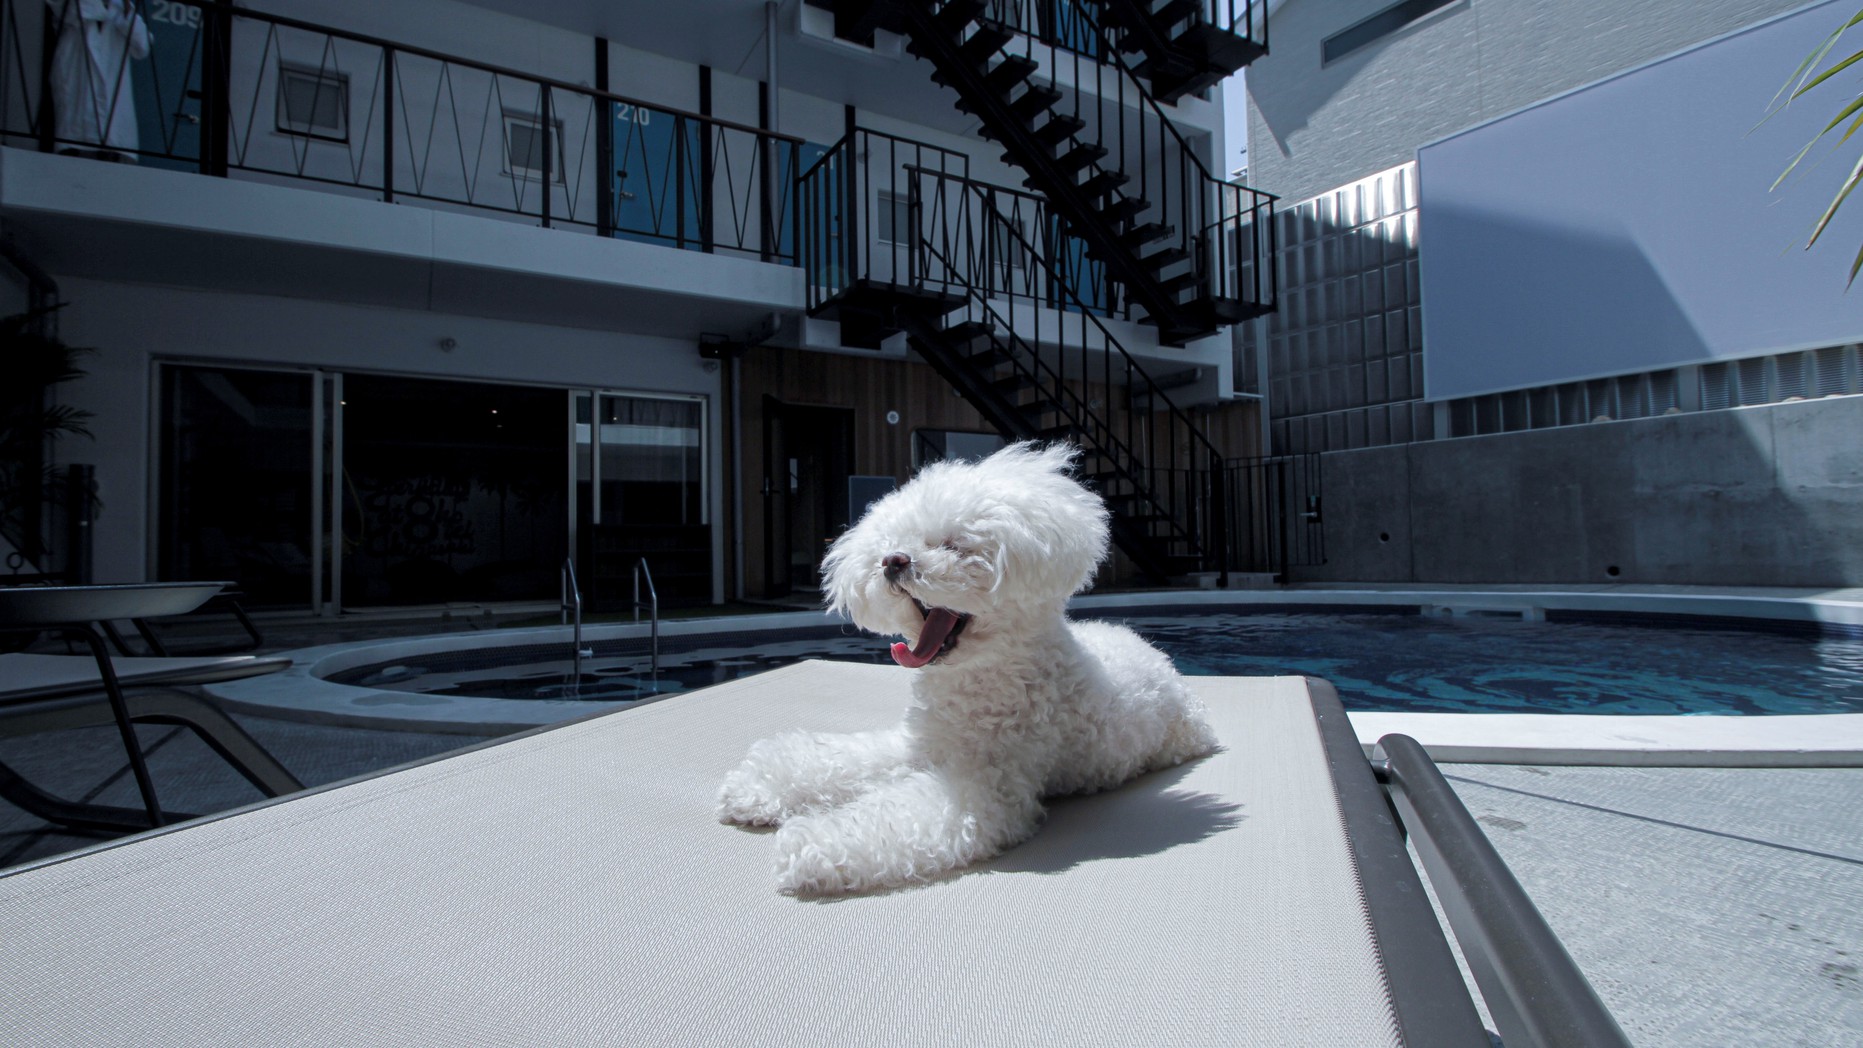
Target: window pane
312,102
525,152
651,464
456,491
236,481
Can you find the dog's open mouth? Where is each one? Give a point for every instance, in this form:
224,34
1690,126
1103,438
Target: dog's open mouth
936,637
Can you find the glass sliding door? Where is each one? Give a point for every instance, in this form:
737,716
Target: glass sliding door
236,490
641,494
343,490
452,491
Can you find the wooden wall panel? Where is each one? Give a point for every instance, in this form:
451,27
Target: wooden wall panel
869,386
873,386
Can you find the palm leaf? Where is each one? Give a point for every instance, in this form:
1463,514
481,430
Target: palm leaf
1804,80
1812,60
1828,73
1850,184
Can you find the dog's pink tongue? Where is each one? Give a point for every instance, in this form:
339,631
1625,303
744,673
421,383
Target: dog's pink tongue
938,625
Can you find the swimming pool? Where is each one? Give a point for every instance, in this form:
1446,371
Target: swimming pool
1383,660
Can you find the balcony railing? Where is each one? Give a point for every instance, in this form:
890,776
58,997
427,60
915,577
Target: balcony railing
1076,27
234,92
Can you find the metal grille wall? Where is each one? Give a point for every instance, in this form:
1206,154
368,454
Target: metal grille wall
1832,371
1345,363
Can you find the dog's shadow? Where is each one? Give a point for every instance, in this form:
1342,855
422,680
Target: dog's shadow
1146,816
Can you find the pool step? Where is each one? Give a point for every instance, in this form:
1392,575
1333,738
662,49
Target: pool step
1518,612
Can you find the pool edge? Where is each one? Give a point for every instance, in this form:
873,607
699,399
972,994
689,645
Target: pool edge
1807,741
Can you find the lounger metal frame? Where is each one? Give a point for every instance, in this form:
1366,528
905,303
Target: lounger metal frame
1534,991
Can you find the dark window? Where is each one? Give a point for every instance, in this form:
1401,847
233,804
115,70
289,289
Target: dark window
895,218
525,142
236,482
313,102
936,445
1377,27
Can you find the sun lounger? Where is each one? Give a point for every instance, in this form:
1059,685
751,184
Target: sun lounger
49,692
571,886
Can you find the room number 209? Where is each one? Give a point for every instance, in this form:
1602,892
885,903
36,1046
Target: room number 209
174,14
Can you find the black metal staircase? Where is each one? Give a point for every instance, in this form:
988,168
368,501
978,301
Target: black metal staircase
1180,243
1003,292
989,289
1188,45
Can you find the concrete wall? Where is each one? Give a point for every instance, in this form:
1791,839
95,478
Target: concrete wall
1762,496
1313,127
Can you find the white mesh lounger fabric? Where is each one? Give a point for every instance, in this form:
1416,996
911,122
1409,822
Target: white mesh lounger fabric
572,887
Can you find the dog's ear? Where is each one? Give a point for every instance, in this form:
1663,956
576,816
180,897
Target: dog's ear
1054,532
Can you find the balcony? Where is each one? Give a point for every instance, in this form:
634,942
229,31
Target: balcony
681,215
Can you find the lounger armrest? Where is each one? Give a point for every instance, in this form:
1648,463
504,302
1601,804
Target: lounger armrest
1534,991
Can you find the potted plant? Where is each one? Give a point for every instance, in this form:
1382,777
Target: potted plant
35,361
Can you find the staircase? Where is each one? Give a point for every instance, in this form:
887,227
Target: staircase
1165,518
1188,45
1002,291
1174,238
986,289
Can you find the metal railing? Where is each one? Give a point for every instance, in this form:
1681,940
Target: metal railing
868,202
1286,528
1224,229
932,228
571,605
1074,26
232,91
1154,458
854,209
653,607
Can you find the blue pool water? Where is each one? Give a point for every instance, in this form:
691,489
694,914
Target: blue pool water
1378,661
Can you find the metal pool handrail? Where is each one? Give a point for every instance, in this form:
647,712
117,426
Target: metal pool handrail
653,595
572,603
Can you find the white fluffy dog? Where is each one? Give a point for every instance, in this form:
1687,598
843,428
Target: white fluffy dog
973,564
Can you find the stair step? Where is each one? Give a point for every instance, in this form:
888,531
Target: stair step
968,331
1058,129
1008,73
990,357
1035,101
1103,183
1125,209
1174,285
1150,232
1168,16
1013,383
986,41
957,14
1081,157
1159,261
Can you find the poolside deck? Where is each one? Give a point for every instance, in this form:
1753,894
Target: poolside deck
1706,905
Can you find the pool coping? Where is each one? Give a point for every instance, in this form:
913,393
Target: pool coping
1821,740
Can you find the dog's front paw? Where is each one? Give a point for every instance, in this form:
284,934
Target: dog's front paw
811,860
748,798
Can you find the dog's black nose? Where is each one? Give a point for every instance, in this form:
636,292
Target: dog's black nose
894,563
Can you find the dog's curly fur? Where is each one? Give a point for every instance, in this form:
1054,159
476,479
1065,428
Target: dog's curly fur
1013,702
